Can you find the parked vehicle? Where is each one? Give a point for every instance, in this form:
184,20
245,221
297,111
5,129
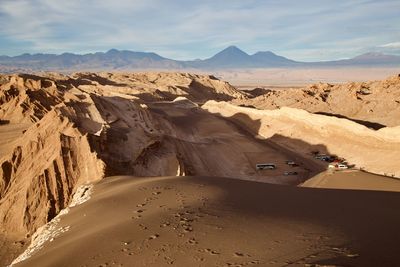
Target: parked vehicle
342,166
326,158
290,173
265,166
321,156
292,163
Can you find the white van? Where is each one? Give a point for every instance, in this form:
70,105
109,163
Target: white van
265,166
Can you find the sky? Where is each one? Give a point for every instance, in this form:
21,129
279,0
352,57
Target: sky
307,30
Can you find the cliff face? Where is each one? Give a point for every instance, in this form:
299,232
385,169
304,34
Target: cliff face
57,132
43,156
42,171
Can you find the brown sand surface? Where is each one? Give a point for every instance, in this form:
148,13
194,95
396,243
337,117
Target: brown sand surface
200,221
353,179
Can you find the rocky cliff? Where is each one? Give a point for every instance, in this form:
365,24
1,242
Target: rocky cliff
57,132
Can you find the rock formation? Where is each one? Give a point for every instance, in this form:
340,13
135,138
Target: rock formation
375,104
58,132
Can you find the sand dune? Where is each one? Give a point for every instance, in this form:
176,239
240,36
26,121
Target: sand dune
352,179
203,221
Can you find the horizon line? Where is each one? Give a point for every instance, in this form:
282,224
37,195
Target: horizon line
196,59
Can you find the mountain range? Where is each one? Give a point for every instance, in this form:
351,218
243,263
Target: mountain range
229,58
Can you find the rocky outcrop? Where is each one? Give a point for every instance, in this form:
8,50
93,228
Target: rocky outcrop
43,158
156,86
40,174
58,132
375,104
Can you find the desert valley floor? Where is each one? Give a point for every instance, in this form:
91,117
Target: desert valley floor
159,169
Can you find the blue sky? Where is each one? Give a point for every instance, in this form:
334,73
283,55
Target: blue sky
302,30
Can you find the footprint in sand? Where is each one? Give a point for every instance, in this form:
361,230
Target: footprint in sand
184,220
165,224
179,214
154,236
142,226
192,241
238,254
211,252
139,211
187,229
169,260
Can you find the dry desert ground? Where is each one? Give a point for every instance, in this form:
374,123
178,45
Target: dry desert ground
160,169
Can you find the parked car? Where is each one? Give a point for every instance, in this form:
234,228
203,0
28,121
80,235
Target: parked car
320,156
292,163
342,166
265,166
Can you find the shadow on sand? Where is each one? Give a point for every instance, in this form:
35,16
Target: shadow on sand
369,124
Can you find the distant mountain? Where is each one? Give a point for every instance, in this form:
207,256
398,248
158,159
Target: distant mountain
376,58
233,57
112,59
267,57
371,59
229,58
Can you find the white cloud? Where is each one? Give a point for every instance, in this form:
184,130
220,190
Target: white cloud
395,45
308,30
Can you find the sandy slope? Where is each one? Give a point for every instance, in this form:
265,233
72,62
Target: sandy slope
298,130
352,179
200,221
